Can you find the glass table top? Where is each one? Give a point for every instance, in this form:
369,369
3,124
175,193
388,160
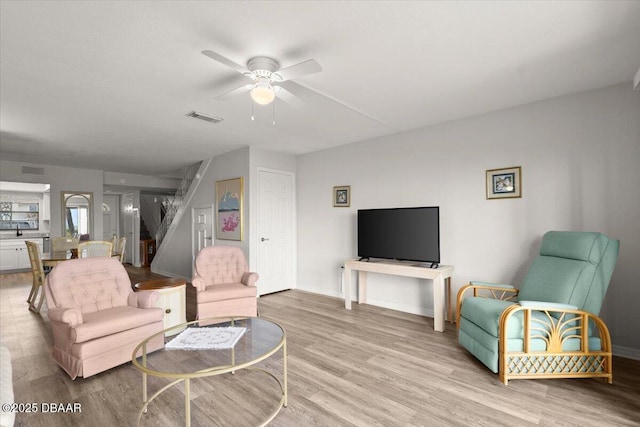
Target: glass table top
210,347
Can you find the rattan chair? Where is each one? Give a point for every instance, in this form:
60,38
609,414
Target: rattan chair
549,327
38,277
94,248
119,248
61,244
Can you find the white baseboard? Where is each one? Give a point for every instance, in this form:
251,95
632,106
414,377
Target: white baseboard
421,311
322,291
172,275
627,352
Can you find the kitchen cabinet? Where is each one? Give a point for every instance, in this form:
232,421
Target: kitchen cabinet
45,209
14,254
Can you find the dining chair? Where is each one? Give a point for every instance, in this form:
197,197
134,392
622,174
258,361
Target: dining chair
38,277
94,248
119,248
61,244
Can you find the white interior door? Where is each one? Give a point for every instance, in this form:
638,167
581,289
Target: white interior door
202,219
110,215
276,262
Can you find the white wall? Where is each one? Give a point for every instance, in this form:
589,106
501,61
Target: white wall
580,158
61,179
177,260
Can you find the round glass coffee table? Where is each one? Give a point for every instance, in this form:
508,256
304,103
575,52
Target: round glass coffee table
210,347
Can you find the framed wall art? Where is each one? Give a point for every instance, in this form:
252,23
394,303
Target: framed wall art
504,183
342,196
229,209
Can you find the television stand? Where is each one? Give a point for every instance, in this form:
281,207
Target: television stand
441,277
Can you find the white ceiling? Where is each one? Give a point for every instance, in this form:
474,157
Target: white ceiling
107,85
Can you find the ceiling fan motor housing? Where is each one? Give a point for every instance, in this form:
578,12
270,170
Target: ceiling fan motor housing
262,66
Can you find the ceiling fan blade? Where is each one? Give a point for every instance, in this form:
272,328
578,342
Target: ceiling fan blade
288,97
221,59
309,66
233,92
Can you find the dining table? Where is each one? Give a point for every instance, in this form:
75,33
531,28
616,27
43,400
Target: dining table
51,259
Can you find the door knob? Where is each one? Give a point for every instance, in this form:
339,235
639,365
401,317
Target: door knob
262,239
207,238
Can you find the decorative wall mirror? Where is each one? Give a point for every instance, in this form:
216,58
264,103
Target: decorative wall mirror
77,214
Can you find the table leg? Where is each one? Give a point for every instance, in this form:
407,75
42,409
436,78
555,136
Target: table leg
284,358
438,303
144,378
347,288
362,287
187,402
447,284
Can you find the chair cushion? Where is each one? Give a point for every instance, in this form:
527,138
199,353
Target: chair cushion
90,284
583,246
106,322
484,313
221,264
226,291
558,280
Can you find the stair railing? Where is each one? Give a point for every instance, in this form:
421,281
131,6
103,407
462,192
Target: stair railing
172,204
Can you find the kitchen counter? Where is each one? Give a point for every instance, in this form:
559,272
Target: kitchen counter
24,236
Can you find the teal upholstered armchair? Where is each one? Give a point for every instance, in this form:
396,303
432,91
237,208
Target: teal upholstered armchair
548,328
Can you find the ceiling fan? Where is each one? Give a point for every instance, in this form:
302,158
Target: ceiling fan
266,76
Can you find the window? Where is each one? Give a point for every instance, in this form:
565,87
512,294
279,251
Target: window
19,216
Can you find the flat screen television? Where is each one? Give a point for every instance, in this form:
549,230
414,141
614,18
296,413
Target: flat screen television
411,234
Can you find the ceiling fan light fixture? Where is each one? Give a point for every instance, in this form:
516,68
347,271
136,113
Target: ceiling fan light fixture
263,93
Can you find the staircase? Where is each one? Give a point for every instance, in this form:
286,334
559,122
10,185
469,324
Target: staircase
171,205
144,231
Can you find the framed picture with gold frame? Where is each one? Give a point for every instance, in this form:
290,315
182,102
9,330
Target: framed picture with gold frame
342,196
229,194
504,183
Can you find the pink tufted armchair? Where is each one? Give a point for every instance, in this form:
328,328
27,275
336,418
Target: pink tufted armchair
97,319
223,283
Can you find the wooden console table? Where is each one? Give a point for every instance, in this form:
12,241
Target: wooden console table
441,277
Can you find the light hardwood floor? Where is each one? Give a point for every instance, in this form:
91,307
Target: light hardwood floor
369,366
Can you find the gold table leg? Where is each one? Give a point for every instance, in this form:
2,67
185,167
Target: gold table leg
187,402
144,378
284,358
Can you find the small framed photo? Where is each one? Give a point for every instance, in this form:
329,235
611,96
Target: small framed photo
504,183
342,196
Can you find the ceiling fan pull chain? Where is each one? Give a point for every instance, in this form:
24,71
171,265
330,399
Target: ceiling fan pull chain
274,112
252,116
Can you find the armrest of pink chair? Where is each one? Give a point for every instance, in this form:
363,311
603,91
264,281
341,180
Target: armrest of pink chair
71,316
199,283
250,279
143,299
